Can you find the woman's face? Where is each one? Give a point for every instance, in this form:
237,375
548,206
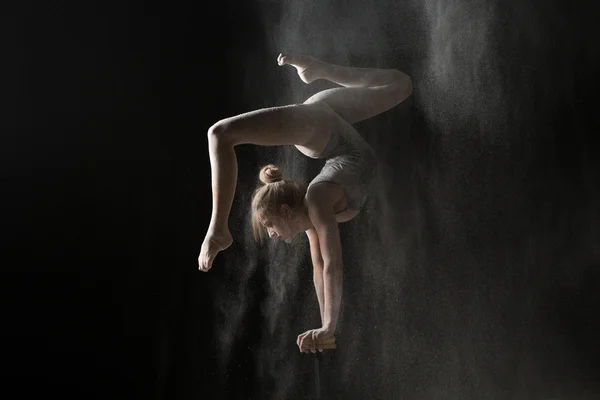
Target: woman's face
283,226
278,228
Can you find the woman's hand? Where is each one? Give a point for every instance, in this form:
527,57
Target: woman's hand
308,341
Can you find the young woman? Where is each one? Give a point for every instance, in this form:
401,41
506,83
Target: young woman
319,128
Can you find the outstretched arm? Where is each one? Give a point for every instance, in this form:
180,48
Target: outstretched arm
320,212
331,252
317,261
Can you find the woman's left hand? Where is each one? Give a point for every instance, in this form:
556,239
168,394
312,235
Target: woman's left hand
308,341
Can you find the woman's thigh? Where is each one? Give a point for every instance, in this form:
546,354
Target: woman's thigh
357,104
287,125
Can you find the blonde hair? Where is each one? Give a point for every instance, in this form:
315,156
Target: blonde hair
271,195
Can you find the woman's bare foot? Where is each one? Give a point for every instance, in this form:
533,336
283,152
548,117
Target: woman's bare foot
308,67
213,244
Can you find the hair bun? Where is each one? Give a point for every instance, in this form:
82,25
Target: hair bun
269,174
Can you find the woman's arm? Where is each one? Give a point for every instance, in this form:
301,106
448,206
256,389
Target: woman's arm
320,211
317,261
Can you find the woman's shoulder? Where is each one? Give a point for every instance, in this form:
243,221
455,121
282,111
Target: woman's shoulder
321,191
324,195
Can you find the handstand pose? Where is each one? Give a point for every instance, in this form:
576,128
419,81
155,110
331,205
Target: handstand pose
319,128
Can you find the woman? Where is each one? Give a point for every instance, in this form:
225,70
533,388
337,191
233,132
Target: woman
319,128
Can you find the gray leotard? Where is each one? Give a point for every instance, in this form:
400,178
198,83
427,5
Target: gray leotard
350,163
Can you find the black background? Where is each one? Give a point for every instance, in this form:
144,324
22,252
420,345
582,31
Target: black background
106,197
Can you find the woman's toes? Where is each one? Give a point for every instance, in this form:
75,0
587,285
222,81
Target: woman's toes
302,64
281,60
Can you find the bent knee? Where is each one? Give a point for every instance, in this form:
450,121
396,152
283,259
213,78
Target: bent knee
403,86
400,88
217,129
219,132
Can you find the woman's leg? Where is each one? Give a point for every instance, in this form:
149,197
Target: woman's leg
275,126
366,92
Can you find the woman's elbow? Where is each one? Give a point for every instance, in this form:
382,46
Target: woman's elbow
318,270
332,269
